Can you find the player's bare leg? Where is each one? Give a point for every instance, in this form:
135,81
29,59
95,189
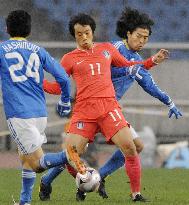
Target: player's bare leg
79,143
31,161
139,144
75,146
37,162
29,164
123,139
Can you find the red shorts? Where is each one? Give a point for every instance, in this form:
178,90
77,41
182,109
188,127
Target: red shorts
97,114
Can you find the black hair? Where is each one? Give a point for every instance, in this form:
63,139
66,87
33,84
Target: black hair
130,20
82,19
18,23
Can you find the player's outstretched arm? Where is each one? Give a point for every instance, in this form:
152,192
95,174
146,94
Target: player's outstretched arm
146,81
120,61
50,65
159,57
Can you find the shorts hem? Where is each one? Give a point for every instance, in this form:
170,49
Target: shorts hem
84,136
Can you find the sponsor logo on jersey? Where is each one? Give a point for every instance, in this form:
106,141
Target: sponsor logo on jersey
48,163
106,54
80,125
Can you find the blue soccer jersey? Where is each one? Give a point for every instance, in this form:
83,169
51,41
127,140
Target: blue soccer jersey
123,82
21,70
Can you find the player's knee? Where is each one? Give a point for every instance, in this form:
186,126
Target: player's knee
139,148
80,150
129,149
38,169
34,165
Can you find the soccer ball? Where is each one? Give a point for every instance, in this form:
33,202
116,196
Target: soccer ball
90,182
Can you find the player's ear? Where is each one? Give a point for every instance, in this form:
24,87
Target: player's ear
128,33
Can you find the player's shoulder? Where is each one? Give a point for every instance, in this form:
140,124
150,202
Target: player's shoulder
3,44
70,57
104,45
117,44
71,53
16,44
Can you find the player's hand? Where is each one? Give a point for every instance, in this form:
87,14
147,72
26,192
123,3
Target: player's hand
160,56
173,110
63,108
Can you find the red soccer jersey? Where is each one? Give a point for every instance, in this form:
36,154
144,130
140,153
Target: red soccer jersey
91,69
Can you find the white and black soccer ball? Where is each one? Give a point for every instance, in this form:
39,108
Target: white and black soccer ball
90,182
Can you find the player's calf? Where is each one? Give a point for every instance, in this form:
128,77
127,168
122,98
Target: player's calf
74,159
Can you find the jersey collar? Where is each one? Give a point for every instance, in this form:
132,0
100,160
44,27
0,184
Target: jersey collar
87,51
18,38
127,46
125,43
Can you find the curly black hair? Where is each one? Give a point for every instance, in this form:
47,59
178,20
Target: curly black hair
18,23
82,19
130,20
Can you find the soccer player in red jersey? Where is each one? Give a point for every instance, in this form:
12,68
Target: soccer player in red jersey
96,107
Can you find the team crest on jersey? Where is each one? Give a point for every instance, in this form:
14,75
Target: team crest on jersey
106,54
80,125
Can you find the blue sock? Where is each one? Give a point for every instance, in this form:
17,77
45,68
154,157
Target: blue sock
116,161
28,180
52,173
50,160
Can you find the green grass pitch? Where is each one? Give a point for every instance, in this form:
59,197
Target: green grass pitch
161,186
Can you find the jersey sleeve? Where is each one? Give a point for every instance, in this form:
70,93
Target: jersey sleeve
66,62
51,87
119,61
145,80
61,77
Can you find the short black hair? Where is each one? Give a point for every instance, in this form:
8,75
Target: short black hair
130,20
82,19
18,23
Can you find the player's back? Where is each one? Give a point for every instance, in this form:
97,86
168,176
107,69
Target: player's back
21,68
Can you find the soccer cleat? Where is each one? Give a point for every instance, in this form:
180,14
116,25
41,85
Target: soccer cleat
140,198
75,160
44,191
18,203
80,195
101,190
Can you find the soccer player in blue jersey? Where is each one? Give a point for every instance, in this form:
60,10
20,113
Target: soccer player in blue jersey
134,28
122,80
21,70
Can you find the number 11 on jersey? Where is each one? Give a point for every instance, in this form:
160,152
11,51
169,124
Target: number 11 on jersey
95,68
